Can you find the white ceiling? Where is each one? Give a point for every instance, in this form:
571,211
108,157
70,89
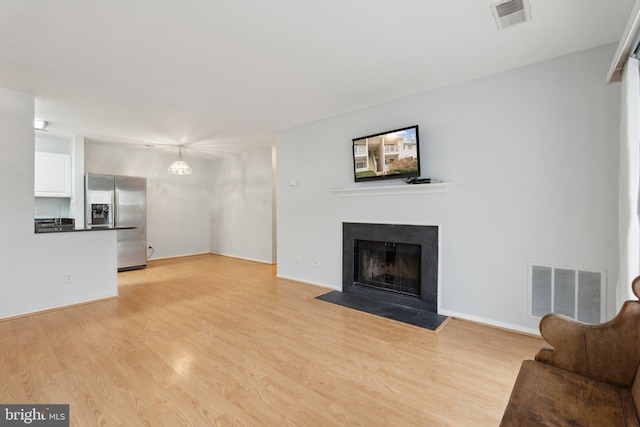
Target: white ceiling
224,75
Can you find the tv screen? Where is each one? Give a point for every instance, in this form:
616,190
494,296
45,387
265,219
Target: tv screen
391,154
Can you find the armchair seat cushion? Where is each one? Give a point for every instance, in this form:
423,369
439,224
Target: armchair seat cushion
545,395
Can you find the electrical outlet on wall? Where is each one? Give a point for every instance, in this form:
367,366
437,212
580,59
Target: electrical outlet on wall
68,278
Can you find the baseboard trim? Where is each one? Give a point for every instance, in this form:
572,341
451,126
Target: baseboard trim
211,253
307,282
58,307
177,256
261,261
490,322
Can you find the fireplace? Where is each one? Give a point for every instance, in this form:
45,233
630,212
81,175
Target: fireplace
388,266
392,263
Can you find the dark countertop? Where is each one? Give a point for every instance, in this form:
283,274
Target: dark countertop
65,229
66,225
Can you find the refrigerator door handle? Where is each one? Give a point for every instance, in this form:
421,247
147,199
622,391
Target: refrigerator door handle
114,203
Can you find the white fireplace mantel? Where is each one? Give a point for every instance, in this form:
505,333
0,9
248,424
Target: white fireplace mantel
392,190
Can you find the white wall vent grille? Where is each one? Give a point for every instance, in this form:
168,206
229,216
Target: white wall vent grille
575,293
511,12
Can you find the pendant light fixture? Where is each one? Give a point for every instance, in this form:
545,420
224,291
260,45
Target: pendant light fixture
40,124
180,167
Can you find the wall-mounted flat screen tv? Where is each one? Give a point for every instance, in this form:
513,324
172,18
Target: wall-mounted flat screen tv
391,154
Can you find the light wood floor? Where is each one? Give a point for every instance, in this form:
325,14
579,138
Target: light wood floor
210,340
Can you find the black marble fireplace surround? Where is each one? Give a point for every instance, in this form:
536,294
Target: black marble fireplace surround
418,307
426,236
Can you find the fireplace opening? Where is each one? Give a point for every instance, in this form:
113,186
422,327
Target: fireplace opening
388,266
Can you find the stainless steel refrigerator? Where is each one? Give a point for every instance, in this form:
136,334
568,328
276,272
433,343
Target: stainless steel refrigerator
114,201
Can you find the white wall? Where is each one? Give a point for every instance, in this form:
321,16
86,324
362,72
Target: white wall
34,267
243,221
178,207
532,158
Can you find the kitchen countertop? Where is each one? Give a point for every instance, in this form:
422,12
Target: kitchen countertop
66,225
63,229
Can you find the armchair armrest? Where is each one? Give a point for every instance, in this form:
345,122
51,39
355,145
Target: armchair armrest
608,352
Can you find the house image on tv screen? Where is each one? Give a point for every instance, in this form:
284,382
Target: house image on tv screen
393,153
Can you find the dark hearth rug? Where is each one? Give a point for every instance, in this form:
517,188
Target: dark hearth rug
412,316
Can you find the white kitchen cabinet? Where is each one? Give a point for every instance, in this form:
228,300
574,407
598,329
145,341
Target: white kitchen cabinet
52,175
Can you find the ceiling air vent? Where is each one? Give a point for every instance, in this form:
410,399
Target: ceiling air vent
511,12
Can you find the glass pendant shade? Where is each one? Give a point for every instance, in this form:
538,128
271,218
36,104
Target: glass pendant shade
40,124
180,167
